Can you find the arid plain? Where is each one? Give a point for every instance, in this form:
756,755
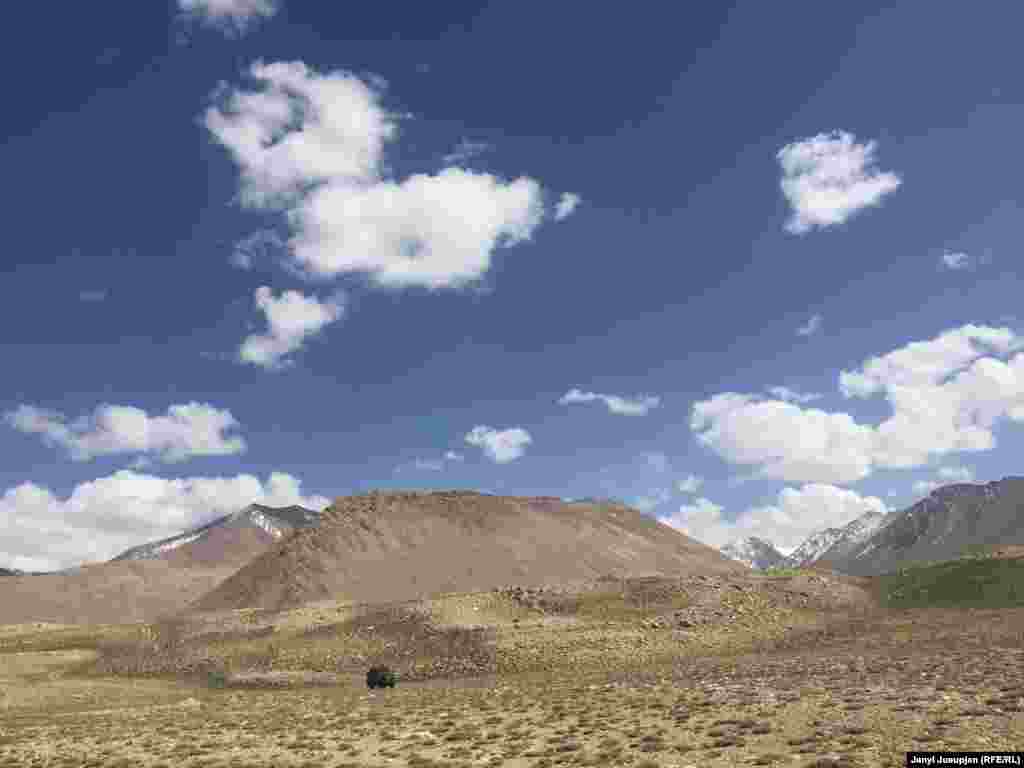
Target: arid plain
805,668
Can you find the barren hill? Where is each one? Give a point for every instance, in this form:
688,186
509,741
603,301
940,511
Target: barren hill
105,593
402,545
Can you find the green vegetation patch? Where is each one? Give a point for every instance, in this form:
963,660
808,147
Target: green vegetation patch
968,583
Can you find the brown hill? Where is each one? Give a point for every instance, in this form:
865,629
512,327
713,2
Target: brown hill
106,593
402,545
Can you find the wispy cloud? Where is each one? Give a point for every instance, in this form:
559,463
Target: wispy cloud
566,205
232,16
792,396
811,327
828,178
690,484
464,151
623,406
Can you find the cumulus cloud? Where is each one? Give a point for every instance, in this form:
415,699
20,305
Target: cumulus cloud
39,530
312,146
192,429
500,446
811,327
829,177
786,441
690,484
231,15
945,395
623,406
566,205
796,514
291,319
792,396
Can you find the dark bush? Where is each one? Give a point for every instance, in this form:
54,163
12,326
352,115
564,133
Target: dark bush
380,677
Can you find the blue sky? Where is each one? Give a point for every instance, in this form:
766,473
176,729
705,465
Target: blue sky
285,251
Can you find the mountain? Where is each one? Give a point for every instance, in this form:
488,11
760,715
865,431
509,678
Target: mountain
834,543
237,537
150,580
9,572
386,546
754,553
940,527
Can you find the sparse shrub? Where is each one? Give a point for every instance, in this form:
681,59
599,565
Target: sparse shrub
217,678
380,677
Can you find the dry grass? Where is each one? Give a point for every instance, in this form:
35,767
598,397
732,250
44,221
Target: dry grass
846,688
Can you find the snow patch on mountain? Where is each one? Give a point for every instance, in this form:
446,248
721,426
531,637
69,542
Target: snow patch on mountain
753,552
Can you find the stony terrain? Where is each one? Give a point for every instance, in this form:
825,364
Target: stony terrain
808,669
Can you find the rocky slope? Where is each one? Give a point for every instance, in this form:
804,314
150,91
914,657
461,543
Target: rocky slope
836,542
405,545
942,526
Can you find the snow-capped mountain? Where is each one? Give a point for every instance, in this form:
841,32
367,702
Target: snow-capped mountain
240,535
940,527
836,542
754,552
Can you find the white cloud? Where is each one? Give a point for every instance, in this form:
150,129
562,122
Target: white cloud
946,395
434,465
566,205
811,327
312,146
955,260
623,406
291,319
787,442
192,429
690,484
264,245
92,295
466,150
829,177
103,517
796,514
792,396
233,15
500,446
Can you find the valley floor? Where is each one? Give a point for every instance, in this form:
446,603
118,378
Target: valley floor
849,687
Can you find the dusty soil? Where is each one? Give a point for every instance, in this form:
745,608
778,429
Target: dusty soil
712,671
